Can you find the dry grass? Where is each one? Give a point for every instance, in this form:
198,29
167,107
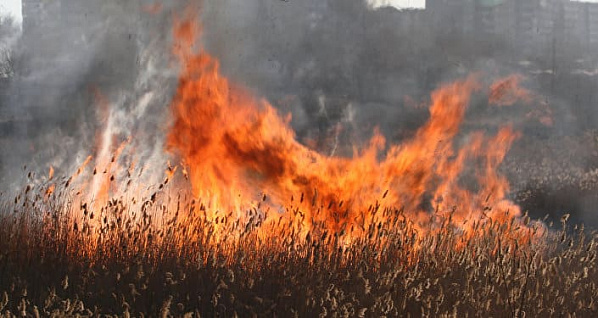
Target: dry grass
125,262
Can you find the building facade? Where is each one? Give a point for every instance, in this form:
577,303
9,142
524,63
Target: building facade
532,26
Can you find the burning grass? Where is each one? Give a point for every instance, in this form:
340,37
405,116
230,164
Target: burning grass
423,228
50,265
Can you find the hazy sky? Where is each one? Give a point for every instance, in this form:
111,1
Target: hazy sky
403,3
11,7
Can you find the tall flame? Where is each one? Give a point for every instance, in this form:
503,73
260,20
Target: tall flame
237,148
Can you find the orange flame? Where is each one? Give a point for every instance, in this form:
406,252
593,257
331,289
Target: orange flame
237,148
507,91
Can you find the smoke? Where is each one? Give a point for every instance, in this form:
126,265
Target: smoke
340,67
82,67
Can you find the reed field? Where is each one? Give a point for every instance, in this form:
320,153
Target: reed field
127,262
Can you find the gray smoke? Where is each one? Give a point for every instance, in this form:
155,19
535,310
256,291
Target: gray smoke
81,66
343,64
340,67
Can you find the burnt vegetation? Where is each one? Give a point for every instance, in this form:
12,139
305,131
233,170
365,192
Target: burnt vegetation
171,259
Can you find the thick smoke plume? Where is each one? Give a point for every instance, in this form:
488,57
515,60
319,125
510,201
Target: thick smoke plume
340,67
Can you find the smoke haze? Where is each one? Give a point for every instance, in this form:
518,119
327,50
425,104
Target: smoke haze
340,67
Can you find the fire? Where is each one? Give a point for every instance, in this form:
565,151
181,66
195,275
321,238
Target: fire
239,151
250,177
507,91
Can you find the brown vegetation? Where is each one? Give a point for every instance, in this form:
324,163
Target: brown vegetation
132,266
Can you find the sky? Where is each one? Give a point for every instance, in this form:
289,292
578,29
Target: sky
11,7
403,3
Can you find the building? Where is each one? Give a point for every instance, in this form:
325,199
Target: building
582,23
452,17
532,26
